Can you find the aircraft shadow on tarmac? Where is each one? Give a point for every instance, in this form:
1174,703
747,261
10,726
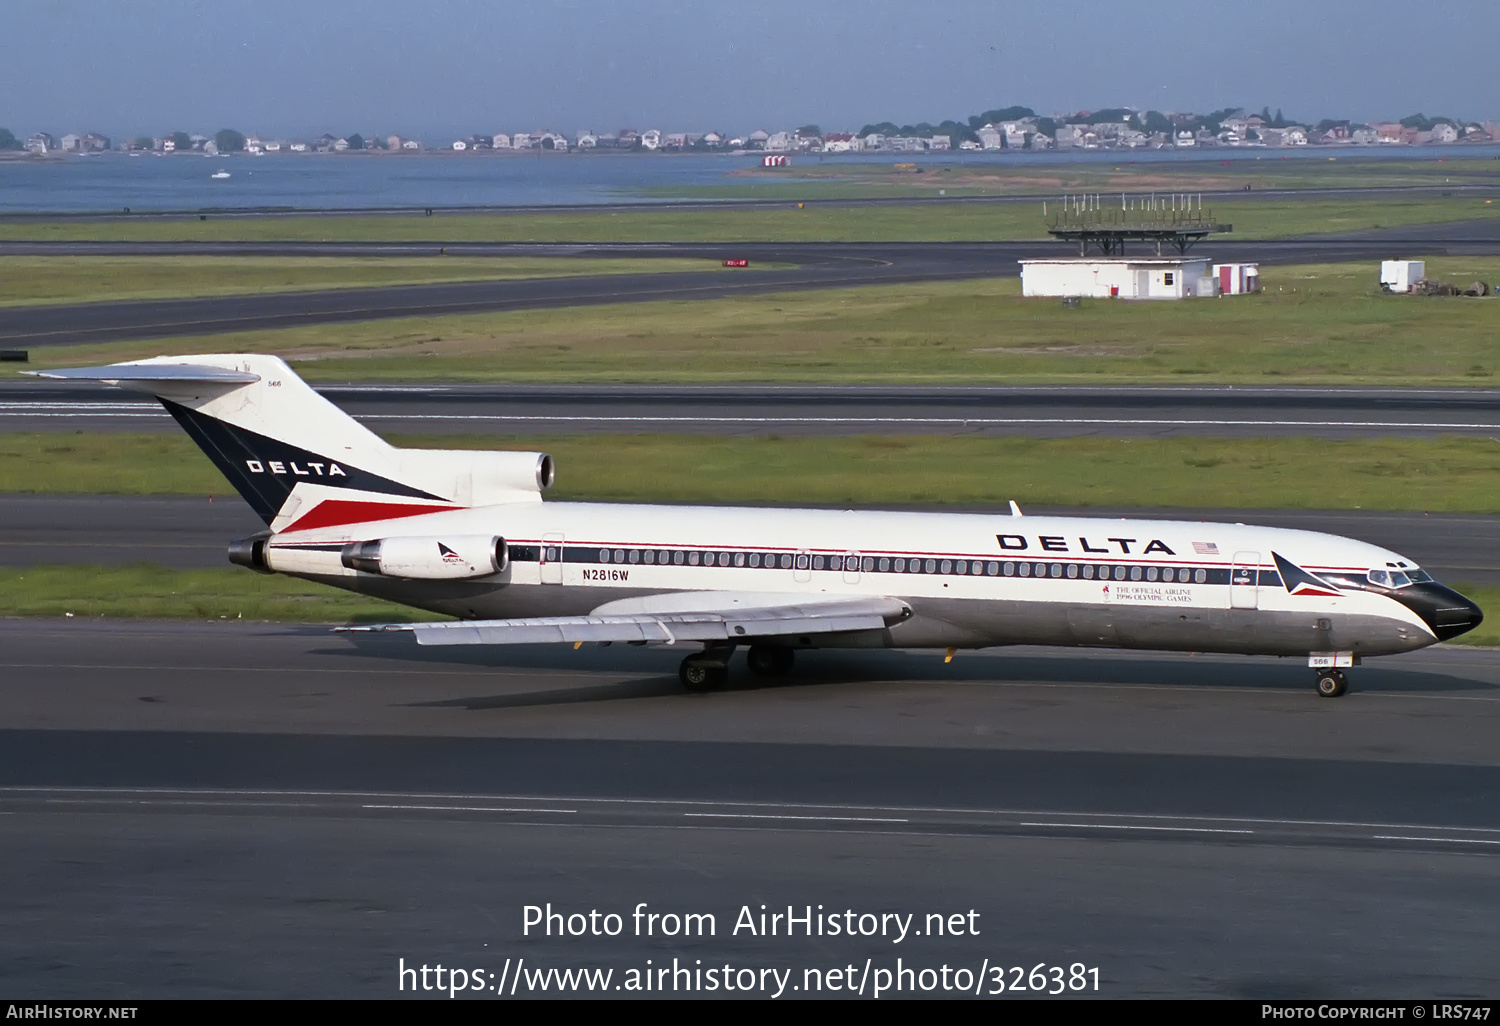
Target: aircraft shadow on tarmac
651,673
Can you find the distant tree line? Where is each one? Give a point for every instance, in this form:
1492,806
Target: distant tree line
955,132
1149,122
8,141
1423,123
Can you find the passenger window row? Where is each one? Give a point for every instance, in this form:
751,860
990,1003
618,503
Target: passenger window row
905,565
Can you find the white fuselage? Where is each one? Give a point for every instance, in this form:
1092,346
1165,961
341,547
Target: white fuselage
971,580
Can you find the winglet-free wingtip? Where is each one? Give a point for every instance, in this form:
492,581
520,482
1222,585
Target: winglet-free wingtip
1015,510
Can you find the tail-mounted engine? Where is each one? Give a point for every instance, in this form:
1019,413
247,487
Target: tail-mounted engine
428,559
251,552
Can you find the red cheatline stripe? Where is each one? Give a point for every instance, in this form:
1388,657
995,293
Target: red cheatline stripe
337,512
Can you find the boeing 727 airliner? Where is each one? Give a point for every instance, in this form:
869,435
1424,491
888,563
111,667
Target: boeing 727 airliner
467,534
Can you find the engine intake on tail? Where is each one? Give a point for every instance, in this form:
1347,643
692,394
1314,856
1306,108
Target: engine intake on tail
428,559
479,478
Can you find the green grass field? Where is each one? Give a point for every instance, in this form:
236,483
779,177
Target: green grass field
152,590
37,280
1447,474
1318,324
1271,218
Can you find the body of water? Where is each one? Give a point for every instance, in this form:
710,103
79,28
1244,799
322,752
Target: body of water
113,182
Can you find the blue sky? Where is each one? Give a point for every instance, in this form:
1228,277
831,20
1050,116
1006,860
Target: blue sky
443,67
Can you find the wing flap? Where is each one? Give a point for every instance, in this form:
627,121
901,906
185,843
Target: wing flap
706,625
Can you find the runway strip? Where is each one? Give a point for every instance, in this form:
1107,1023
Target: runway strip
800,410
636,812
850,424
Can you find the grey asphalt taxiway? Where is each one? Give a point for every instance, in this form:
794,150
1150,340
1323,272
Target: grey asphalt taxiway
749,409
235,809
816,265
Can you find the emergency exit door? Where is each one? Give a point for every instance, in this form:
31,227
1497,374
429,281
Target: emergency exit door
551,558
851,568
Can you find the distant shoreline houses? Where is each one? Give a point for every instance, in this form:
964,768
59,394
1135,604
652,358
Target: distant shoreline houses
1114,129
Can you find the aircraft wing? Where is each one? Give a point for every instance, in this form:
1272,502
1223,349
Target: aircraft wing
735,621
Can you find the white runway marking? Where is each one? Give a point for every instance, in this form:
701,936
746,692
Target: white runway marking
819,819
944,421
1133,826
768,812
128,410
463,808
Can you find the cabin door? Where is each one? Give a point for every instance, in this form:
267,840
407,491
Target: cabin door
1244,591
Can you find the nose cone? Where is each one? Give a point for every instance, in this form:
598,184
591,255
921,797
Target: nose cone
1442,609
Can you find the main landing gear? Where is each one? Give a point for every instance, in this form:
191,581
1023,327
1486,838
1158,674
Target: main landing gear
770,660
1332,683
709,670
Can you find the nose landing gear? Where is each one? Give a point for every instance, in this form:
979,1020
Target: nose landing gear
1332,683
699,674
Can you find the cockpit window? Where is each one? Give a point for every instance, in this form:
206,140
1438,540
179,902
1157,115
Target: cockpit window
1390,578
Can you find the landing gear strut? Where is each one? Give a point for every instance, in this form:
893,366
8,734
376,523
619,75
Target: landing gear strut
1332,683
770,660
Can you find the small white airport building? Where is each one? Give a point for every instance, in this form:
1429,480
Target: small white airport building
1120,278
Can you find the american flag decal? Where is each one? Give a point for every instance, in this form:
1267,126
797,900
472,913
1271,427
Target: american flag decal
1205,548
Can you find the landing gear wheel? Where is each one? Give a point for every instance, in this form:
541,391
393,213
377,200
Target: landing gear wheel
1332,683
698,675
770,660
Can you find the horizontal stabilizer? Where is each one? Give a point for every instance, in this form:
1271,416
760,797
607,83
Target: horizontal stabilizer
145,375
705,625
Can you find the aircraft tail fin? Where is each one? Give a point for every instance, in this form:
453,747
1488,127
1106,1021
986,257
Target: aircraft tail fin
299,460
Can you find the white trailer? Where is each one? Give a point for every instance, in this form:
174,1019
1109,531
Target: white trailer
1398,275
